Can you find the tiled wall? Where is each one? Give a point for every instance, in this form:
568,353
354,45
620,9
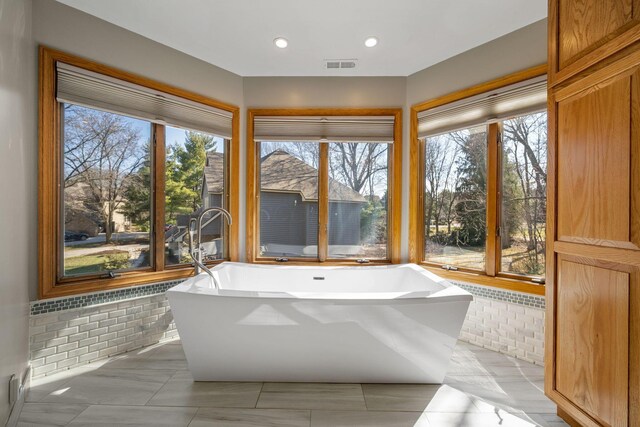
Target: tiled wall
99,325
505,321
68,332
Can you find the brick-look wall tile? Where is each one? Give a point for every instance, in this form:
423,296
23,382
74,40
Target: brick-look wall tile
66,339
503,321
505,327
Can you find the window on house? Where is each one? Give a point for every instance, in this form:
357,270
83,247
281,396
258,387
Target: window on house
125,164
324,186
482,203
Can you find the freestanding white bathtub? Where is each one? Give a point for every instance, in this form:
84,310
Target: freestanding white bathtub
383,324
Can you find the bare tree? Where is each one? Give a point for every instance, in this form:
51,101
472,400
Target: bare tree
525,139
357,165
308,152
440,180
102,151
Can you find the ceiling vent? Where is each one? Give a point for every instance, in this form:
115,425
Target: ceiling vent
336,64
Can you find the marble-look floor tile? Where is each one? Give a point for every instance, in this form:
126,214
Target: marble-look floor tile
215,417
49,414
165,357
449,399
111,386
312,396
498,419
482,388
43,386
399,397
321,418
547,420
109,415
181,390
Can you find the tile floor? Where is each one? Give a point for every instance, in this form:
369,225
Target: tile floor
152,387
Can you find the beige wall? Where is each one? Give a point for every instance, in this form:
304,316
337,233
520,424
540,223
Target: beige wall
18,195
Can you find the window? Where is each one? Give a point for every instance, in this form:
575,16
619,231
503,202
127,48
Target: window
358,189
478,203
195,178
455,199
289,199
106,158
125,163
324,186
524,194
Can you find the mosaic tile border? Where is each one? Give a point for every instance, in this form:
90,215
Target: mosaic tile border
527,300
79,301
102,297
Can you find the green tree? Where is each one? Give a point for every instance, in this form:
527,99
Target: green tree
472,189
183,179
137,196
189,165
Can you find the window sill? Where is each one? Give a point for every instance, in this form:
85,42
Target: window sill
495,282
64,289
331,262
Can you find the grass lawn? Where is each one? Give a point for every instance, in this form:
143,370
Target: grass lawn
93,263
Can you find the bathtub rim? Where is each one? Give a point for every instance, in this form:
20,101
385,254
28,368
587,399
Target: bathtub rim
201,285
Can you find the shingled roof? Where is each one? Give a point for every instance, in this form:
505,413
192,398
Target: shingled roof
282,172
214,171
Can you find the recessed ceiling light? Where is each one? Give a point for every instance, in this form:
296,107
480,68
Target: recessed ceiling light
281,42
371,42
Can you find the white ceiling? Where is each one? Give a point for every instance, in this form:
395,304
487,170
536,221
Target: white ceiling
238,35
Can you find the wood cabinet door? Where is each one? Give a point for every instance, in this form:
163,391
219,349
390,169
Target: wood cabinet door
583,32
592,297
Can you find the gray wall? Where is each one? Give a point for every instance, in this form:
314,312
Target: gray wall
341,92
68,29
18,194
521,49
516,51
62,27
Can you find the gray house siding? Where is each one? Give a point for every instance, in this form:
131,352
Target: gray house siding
213,229
285,219
344,223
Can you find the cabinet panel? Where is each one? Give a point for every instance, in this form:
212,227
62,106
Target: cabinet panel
592,339
587,24
593,170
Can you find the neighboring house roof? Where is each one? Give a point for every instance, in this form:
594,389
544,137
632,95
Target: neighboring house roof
281,172
214,172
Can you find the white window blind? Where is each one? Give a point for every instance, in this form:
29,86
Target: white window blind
322,129
520,98
83,87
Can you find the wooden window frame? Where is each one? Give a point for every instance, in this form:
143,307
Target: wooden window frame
49,201
394,201
491,276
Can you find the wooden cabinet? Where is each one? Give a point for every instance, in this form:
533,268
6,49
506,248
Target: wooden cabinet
592,357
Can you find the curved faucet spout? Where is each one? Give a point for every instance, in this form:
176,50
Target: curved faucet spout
197,253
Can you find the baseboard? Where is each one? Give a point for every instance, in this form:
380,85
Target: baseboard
22,394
